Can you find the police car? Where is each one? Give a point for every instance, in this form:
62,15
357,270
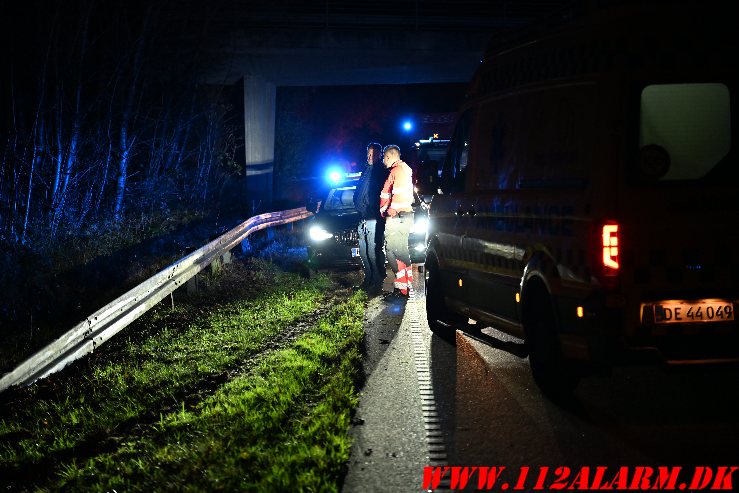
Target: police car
332,234
589,195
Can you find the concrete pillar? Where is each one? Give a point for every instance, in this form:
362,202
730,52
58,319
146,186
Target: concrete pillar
259,141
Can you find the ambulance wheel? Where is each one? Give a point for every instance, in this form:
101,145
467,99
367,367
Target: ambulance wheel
440,318
554,375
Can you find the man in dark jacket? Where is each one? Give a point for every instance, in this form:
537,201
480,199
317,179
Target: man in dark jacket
371,227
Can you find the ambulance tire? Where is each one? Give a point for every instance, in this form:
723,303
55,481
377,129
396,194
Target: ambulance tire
554,375
440,318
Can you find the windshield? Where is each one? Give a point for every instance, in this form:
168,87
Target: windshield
340,199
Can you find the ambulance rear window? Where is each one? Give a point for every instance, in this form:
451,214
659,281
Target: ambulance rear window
684,130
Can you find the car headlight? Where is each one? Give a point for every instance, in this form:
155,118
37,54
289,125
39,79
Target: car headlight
317,233
421,226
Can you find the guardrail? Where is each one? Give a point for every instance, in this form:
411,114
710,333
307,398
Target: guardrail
116,315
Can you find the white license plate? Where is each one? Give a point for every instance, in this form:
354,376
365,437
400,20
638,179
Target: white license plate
686,312
355,252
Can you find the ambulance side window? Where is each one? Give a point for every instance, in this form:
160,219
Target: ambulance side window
455,164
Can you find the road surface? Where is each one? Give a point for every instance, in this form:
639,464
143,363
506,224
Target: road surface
463,402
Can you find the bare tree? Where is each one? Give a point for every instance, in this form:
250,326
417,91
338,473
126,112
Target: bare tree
102,115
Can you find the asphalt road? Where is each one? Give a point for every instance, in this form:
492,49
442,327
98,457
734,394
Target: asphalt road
390,448
464,402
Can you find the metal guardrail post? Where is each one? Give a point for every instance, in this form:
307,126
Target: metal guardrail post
100,326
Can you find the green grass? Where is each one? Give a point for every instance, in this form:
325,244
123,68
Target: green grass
212,404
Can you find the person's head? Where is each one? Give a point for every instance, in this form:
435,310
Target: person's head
391,154
374,152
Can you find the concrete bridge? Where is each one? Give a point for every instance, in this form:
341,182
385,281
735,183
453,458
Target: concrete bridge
266,44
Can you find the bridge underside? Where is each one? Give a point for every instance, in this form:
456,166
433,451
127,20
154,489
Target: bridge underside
264,45
340,58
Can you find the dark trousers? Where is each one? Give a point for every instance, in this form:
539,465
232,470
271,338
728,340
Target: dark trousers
371,240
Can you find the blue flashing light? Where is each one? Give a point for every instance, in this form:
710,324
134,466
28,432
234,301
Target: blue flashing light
334,176
407,125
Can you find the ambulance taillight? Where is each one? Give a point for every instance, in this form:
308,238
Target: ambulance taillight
610,258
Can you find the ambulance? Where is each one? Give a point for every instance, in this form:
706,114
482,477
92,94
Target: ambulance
588,201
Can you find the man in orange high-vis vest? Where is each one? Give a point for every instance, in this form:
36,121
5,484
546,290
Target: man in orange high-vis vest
396,206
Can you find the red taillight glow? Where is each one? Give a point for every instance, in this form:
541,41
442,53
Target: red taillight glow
610,246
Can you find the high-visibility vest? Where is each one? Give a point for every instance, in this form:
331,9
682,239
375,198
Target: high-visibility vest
397,192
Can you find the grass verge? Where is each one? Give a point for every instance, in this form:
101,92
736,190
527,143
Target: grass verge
252,393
